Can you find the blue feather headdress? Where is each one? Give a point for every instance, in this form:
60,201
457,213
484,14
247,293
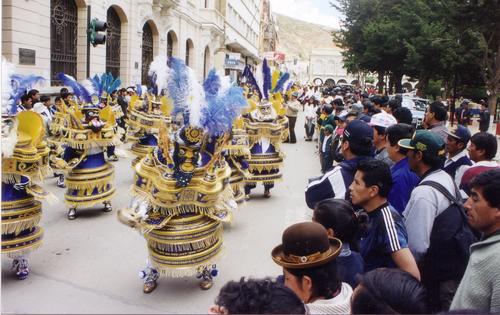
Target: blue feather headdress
181,86
224,104
105,84
83,91
262,80
212,106
250,78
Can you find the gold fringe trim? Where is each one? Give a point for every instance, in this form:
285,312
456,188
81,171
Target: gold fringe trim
18,253
87,202
92,143
186,246
20,224
188,270
239,151
100,183
221,204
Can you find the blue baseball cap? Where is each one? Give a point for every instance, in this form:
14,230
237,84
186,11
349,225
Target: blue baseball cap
461,133
358,131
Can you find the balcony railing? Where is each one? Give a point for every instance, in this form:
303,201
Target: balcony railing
212,16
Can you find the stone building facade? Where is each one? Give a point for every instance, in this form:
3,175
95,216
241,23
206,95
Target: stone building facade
45,37
327,66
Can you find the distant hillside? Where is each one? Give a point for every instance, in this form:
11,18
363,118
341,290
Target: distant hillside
297,38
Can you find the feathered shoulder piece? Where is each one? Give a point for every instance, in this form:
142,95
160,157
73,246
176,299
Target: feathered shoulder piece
14,86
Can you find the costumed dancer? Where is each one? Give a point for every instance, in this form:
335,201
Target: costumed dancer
182,193
237,154
265,129
23,161
105,87
145,117
55,143
88,131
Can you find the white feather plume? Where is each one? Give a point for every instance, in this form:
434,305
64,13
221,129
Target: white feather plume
259,78
160,68
195,99
7,72
225,84
9,142
89,86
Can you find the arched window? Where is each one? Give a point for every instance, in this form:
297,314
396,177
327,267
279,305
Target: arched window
170,45
113,39
147,51
172,50
189,53
206,62
63,37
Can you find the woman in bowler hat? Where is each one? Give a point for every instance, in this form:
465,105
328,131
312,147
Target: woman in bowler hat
307,256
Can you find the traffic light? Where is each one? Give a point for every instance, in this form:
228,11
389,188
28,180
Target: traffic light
96,26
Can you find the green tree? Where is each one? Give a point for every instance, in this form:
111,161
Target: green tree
480,21
418,38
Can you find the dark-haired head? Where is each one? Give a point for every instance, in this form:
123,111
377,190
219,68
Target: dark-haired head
328,109
371,184
25,99
392,105
376,173
389,291
253,296
397,132
33,92
488,182
483,147
403,115
339,219
438,111
313,283
44,98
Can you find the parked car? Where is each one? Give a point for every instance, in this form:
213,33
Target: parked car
416,105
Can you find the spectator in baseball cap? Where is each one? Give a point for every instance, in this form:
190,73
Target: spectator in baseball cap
356,145
380,122
457,160
427,221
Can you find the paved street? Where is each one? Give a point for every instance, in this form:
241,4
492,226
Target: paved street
91,264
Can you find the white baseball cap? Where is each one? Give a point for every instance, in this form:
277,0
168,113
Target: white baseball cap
383,119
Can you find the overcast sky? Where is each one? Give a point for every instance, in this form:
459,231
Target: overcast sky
314,11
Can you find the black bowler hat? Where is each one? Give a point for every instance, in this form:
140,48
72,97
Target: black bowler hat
306,245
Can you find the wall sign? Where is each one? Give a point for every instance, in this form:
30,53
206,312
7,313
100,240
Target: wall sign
27,56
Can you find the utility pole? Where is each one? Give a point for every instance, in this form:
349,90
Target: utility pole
88,42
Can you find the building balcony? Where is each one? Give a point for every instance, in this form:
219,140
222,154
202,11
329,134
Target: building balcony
169,4
212,17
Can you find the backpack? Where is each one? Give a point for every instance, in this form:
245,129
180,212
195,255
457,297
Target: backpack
450,240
